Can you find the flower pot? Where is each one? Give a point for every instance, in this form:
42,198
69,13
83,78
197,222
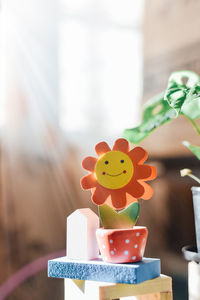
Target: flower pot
196,205
191,254
122,245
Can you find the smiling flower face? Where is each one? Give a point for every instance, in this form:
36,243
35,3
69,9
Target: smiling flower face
117,176
114,170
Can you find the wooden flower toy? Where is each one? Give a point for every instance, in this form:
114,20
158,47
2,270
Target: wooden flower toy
117,180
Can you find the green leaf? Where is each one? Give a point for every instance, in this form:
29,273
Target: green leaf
182,89
182,97
191,106
156,112
178,77
112,219
178,89
131,212
194,149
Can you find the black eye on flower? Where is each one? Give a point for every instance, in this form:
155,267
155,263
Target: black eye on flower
122,161
106,162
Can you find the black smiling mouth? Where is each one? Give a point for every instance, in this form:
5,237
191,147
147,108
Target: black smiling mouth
114,175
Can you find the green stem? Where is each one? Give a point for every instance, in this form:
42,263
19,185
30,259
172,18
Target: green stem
194,177
194,124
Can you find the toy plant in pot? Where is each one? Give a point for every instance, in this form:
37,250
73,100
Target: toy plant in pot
117,180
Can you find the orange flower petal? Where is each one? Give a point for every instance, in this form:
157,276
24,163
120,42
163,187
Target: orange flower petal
102,148
118,199
130,199
135,189
153,173
138,155
89,163
148,191
121,145
100,195
145,172
88,182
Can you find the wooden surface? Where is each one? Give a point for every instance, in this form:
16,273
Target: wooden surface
173,45
156,296
159,288
157,285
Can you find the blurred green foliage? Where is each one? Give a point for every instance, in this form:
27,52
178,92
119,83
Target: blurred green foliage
182,97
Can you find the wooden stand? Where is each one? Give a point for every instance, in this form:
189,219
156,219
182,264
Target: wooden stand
156,289
133,279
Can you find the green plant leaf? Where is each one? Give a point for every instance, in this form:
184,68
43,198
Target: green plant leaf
178,77
112,219
131,212
191,106
156,112
194,149
182,93
182,97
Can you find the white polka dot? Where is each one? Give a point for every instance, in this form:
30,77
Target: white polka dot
127,241
137,234
136,246
134,258
104,246
112,252
143,239
126,252
111,241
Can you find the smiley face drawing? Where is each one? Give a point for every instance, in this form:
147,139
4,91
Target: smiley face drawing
114,170
117,177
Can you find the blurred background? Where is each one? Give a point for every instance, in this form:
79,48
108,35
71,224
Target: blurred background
74,72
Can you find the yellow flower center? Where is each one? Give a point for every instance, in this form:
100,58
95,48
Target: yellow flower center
114,170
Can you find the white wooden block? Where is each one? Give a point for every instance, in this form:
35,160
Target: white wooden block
74,289
78,290
81,234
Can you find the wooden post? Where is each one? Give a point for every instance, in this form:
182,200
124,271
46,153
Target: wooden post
166,296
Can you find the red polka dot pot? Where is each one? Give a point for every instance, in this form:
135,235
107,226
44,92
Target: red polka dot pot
122,245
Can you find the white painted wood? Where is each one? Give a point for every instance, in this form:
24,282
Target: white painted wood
78,290
81,234
158,288
74,289
194,281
